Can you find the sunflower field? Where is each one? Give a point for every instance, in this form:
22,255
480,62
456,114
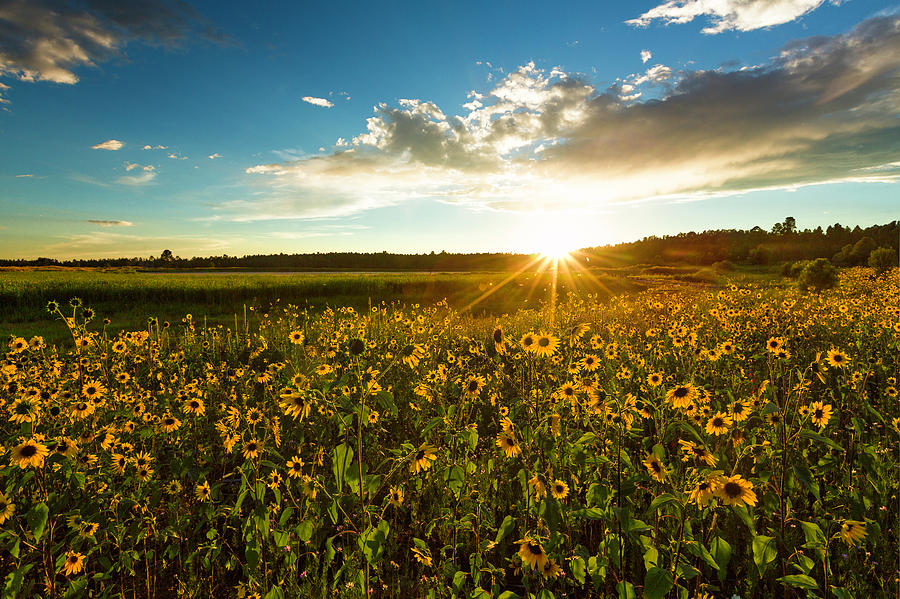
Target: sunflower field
682,442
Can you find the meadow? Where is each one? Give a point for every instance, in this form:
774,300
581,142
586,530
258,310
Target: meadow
684,440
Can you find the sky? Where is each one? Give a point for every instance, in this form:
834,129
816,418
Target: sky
212,128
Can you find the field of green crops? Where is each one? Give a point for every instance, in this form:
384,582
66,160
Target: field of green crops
684,441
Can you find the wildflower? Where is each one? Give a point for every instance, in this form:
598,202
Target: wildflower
528,342
718,424
734,490
820,413
703,492
655,468
852,531
681,396
421,556
74,563
422,458
559,489
252,449
508,444
202,491
296,337
396,496
546,345
7,508
29,453
837,358
532,554
295,467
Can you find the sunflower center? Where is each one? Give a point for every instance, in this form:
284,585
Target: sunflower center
73,559
29,451
169,421
717,422
420,455
818,414
681,392
733,489
543,342
473,386
498,336
535,549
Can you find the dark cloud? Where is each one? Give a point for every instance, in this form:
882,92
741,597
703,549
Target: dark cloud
47,40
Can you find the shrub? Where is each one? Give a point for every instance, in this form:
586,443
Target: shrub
819,274
883,259
793,270
723,266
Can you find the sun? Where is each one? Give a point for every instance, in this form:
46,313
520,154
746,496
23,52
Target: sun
554,245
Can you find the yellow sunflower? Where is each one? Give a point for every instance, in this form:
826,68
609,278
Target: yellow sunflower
559,489
422,458
852,531
74,563
734,490
546,345
508,444
7,508
820,413
29,453
655,468
681,396
718,424
837,358
532,554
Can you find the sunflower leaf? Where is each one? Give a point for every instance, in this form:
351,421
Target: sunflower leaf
506,527
800,581
765,550
657,583
37,519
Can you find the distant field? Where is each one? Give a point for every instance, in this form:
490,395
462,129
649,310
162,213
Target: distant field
128,297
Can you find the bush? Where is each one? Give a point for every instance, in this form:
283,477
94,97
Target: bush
819,274
792,270
723,266
883,259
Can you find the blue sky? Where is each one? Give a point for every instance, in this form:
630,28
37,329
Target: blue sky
129,128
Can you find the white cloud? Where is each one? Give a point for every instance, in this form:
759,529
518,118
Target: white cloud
646,55
214,156
317,101
110,144
725,15
25,176
111,223
824,110
175,156
147,174
149,147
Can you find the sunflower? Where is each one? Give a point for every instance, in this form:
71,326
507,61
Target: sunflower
29,453
421,556
18,345
119,463
837,358
550,569
373,417
718,424
529,342
852,531
202,491
144,473
655,468
654,379
546,345
294,404
697,451
24,410
83,409
507,425
74,563
539,489
589,362
499,340
6,508
681,396
820,413
507,442
170,424
194,406
774,344
66,447
734,490
422,458
93,390
173,487
251,449
296,337
295,467
396,496
532,554
473,385
703,492
143,459
740,411
559,489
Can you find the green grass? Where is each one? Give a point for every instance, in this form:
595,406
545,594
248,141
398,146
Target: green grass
128,297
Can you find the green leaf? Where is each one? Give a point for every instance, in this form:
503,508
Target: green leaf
626,590
744,515
545,594
385,400
275,593
765,551
657,583
814,535
819,438
37,519
506,527
800,581
371,542
578,569
508,595
329,553
721,552
459,579
341,458
591,513
305,530
805,476
455,478
661,500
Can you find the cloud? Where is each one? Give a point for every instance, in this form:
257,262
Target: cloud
25,176
175,156
110,144
822,110
214,156
47,40
147,174
317,101
111,223
646,55
149,147
725,15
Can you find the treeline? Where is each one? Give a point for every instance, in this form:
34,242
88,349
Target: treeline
784,242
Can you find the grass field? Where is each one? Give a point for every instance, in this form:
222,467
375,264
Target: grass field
685,441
